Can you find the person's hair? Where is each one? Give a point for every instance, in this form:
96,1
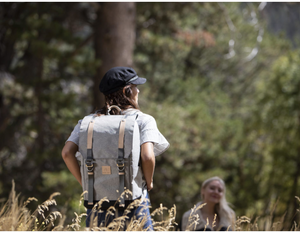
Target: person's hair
222,208
122,98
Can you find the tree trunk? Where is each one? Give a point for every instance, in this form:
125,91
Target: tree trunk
114,39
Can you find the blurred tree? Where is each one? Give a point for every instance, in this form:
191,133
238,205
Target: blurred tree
42,60
114,29
280,18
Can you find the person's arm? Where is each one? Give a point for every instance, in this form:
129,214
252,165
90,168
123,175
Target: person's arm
148,163
68,154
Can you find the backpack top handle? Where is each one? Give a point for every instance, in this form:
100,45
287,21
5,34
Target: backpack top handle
116,107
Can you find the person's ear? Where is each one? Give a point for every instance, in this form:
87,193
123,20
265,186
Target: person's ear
127,90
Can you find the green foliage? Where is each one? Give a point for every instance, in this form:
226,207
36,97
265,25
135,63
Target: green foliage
278,95
205,101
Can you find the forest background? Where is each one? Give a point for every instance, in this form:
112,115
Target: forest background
223,85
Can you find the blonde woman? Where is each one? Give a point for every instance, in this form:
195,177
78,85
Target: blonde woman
213,211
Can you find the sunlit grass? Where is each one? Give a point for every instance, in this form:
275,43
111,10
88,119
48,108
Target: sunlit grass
16,216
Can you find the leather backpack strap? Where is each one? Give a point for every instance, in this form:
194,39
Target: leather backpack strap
120,162
89,162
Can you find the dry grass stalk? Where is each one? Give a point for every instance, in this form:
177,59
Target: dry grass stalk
214,223
167,223
194,218
15,216
135,223
240,222
76,222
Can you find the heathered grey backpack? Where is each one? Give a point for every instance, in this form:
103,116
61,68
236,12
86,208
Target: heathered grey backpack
110,147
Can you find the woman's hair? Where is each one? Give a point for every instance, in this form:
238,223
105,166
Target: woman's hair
122,98
225,213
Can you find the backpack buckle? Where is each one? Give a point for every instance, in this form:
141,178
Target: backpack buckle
89,163
120,164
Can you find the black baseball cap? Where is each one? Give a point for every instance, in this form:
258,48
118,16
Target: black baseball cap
118,77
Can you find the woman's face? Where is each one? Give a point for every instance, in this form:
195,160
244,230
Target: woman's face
213,192
135,93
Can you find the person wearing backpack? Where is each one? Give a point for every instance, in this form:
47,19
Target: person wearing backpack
118,129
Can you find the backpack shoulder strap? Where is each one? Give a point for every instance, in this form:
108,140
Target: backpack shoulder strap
89,162
120,161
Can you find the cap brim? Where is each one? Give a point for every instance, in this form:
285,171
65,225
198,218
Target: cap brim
139,81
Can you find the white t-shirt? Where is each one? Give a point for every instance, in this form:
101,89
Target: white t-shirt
148,132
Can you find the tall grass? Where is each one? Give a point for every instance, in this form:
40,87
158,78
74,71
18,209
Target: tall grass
16,216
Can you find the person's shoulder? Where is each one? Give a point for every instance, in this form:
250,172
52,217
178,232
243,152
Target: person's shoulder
141,115
186,214
80,120
145,119
145,115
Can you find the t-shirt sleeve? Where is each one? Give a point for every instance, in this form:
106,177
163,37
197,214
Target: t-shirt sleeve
74,137
150,133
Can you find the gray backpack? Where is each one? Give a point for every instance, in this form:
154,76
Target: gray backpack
110,148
